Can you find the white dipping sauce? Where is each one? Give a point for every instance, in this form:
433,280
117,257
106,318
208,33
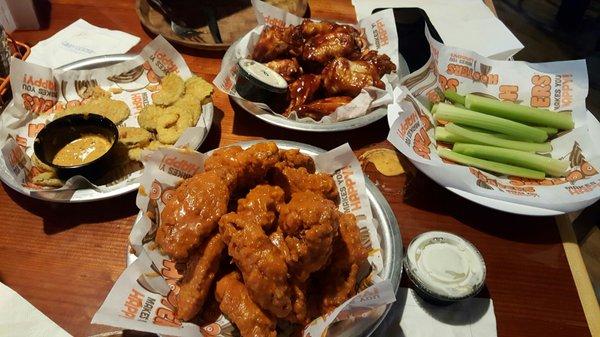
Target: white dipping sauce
445,265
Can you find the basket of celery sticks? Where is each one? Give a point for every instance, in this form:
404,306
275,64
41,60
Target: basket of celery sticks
506,131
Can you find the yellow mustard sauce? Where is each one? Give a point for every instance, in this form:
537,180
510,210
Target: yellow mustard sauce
82,150
385,161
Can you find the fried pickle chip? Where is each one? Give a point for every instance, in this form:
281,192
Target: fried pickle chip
40,165
171,124
116,111
148,115
154,145
48,179
98,92
135,153
134,137
172,87
191,105
197,87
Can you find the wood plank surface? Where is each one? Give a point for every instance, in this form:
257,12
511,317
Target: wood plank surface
65,258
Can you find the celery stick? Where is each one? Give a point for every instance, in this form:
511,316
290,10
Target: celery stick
443,135
519,113
482,138
551,166
449,113
490,165
550,131
454,97
434,109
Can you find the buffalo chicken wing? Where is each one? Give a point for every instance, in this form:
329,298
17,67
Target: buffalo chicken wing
192,214
235,302
196,284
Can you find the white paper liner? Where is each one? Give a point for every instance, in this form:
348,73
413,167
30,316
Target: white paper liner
19,126
380,31
558,86
150,282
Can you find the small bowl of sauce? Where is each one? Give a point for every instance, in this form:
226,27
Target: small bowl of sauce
78,144
444,267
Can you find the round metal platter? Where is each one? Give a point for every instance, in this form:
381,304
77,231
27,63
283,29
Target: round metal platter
85,194
387,226
283,122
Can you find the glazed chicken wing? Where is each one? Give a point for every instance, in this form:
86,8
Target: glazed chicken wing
289,69
302,90
338,281
294,180
309,223
381,61
344,77
322,107
309,28
235,302
277,42
196,283
192,214
325,47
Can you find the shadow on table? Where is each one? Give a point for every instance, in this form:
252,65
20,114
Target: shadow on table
59,217
213,139
521,228
247,125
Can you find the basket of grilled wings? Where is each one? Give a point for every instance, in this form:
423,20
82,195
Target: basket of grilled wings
257,240
312,71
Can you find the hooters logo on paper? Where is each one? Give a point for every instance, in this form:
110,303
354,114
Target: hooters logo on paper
483,75
178,167
380,33
37,104
413,130
271,21
540,92
448,83
508,93
163,62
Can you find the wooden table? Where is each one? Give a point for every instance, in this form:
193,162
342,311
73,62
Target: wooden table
65,258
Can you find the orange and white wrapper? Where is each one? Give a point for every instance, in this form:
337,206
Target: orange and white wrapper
39,92
557,86
145,296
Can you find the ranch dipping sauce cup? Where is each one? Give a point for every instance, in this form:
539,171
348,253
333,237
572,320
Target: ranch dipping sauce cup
444,267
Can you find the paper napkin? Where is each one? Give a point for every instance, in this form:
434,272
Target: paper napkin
19,318
80,40
411,316
467,24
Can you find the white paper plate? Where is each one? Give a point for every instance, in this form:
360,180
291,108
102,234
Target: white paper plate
501,205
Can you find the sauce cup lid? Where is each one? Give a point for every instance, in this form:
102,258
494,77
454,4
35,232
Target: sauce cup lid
445,266
262,76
